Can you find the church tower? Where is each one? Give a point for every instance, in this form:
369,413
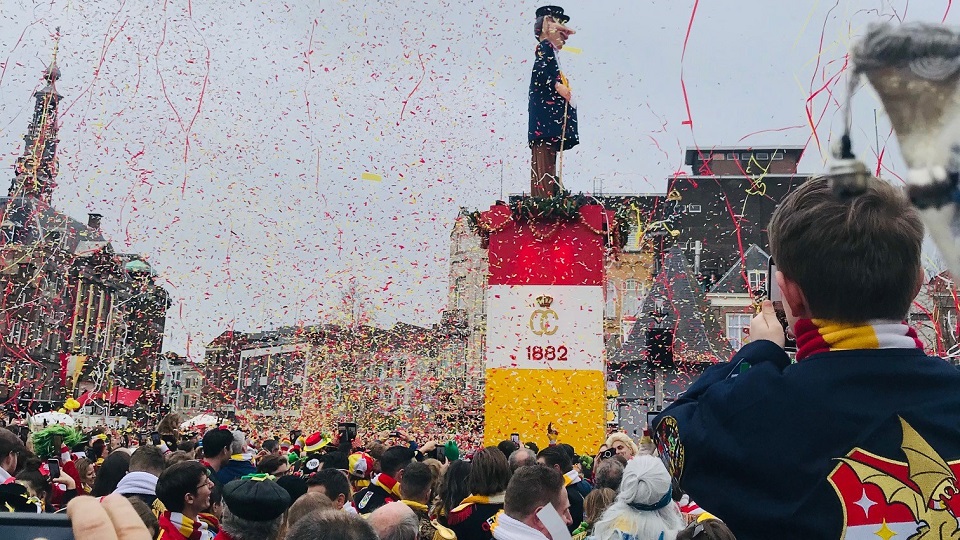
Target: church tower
36,169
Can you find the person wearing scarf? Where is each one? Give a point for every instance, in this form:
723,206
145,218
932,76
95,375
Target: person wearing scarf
489,476
385,487
240,463
644,508
184,489
532,490
768,444
557,458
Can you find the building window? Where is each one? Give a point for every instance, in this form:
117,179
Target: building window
763,156
633,239
632,298
777,156
745,156
610,303
717,157
693,208
731,156
736,323
758,280
460,292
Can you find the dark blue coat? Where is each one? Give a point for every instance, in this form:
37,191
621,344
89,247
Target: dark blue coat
546,108
234,469
758,441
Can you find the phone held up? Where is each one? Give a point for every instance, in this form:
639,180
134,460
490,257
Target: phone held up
53,465
776,296
25,526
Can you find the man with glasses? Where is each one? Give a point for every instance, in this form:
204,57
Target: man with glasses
184,489
10,449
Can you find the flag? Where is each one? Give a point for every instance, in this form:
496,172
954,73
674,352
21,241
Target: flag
126,396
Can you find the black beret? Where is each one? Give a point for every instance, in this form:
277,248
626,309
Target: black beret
256,497
553,11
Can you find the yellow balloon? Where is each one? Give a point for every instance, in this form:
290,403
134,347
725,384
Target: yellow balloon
71,404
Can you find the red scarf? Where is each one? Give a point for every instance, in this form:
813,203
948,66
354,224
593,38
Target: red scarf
818,335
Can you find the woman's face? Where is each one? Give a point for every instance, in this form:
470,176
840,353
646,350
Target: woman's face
90,474
623,450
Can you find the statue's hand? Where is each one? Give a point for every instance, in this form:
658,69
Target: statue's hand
564,91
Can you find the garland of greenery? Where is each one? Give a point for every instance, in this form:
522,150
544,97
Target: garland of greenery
563,207
43,440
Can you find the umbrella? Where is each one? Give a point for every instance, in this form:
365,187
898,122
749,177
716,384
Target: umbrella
200,420
51,418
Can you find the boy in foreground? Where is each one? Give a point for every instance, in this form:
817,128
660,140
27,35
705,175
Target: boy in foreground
857,437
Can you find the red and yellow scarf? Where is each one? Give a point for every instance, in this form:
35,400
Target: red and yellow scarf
186,527
818,335
388,484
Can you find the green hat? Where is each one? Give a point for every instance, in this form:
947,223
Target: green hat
451,450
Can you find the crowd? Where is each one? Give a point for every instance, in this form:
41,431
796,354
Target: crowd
220,484
767,446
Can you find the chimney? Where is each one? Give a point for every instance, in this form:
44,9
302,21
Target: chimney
93,221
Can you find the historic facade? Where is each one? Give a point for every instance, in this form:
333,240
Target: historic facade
76,315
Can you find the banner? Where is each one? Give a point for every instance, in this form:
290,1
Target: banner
545,327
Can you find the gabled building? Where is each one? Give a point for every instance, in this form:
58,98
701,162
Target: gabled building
710,263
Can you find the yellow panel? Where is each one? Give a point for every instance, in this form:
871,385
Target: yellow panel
525,401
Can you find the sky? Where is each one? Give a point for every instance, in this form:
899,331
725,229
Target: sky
228,142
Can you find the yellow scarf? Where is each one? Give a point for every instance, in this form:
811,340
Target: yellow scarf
480,499
416,506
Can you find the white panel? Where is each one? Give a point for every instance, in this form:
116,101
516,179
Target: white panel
523,334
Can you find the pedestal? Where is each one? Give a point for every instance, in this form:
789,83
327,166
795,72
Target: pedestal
545,359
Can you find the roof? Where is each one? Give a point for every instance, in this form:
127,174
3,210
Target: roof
27,220
733,281
136,265
697,336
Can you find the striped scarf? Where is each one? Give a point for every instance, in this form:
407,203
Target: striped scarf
481,499
189,528
388,484
818,335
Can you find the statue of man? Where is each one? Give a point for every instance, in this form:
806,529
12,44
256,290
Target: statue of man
553,115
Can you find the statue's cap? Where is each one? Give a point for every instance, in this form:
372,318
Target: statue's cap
553,11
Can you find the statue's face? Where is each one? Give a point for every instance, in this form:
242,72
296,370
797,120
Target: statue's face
556,33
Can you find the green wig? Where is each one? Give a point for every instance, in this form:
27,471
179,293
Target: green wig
43,440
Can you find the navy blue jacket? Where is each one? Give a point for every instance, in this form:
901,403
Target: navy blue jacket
758,441
546,107
234,469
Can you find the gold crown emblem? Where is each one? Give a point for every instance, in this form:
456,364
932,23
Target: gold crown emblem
544,301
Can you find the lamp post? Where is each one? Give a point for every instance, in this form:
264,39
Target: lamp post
654,357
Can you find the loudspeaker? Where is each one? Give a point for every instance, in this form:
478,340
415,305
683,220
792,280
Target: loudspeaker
660,346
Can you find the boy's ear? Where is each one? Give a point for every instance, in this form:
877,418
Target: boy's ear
919,285
795,302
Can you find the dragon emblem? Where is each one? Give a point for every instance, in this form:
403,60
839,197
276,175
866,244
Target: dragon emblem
927,495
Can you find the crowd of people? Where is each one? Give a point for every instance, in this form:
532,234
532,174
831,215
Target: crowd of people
767,445
220,484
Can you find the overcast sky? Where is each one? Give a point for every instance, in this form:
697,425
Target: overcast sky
225,140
